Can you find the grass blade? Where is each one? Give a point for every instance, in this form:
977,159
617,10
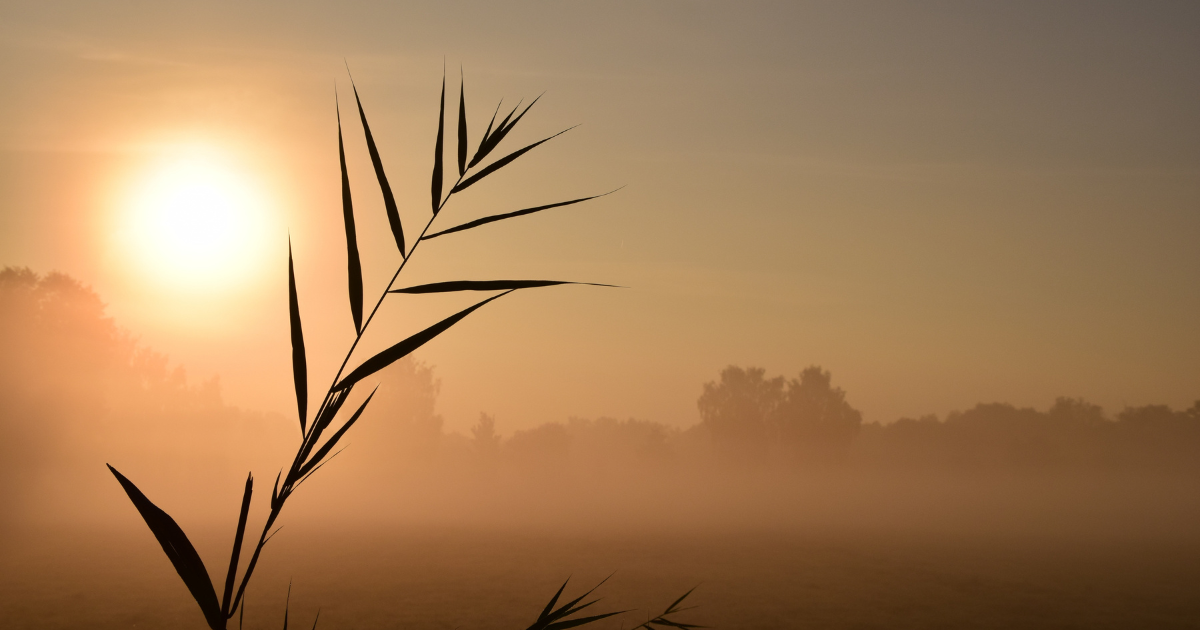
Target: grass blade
671,608
571,623
662,620
550,617
486,133
407,346
489,140
353,264
287,603
553,600
487,285
179,551
505,126
333,440
502,162
389,201
462,126
436,188
508,215
299,363
237,548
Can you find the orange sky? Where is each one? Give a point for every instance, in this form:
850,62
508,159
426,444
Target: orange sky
943,203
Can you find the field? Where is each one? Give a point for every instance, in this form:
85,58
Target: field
443,577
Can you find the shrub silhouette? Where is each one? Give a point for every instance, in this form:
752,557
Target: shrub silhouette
322,431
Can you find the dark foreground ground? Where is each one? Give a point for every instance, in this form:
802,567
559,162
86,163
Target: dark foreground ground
433,577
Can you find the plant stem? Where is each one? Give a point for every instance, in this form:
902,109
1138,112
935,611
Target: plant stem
293,471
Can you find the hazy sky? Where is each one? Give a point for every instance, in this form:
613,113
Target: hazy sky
942,203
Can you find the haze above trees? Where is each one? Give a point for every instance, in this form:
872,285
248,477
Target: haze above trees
78,391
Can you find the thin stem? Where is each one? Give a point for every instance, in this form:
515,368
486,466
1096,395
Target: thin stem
290,482
404,261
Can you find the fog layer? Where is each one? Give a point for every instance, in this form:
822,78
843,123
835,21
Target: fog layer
767,452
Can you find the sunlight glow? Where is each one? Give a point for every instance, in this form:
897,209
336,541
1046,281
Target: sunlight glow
193,222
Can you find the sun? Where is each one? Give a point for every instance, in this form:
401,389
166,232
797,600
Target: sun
194,221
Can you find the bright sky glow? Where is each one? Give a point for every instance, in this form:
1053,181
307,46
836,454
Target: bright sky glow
194,223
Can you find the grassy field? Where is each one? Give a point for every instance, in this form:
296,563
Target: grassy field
437,577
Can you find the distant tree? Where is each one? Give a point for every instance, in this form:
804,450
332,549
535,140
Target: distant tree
739,409
814,422
1076,412
484,437
542,449
72,382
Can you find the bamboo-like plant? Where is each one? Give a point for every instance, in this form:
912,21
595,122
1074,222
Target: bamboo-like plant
317,445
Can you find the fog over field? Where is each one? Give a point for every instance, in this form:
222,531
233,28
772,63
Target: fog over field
457,315
779,500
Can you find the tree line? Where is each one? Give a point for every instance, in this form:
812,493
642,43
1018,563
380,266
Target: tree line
69,376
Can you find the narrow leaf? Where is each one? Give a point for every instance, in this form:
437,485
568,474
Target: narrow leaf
505,127
553,600
486,133
287,603
671,608
299,363
353,264
406,347
179,551
275,490
488,142
502,162
323,420
571,623
436,187
389,201
333,440
462,126
568,608
487,285
237,548
509,215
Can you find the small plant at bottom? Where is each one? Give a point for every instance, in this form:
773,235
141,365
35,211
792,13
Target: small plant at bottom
317,444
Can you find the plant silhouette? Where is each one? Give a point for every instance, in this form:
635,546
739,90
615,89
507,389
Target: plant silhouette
319,438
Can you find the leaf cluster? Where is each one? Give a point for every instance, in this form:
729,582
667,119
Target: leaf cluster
319,438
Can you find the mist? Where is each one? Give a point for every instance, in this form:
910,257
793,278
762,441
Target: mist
775,472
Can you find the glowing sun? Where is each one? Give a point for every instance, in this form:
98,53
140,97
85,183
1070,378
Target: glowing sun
192,219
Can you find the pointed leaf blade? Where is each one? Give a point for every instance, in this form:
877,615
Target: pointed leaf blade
333,440
299,362
489,142
435,188
671,608
502,162
571,623
389,201
553,601
505,126
287,603
179,551
486,134
462,127
236,554
407,346
487,285
353,264
508,215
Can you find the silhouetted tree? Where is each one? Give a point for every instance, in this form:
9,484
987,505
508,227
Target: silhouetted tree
813,422
739,411
484,433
